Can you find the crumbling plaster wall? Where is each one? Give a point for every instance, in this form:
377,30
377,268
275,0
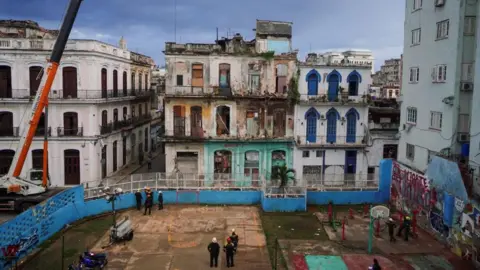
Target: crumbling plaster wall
239,70
238,113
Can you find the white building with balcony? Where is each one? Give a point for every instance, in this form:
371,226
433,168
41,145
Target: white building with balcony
437,87
98,118
331,119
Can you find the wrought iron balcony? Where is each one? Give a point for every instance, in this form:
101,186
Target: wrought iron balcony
330,140
41,131
70,132
9,131
61,94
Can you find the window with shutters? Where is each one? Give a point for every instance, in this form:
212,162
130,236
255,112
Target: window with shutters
467,72
470,25
464,123
439,73
281,78
411,115
197,75
442,29
414,75
416,36
410,151
417,4
179,80
436,120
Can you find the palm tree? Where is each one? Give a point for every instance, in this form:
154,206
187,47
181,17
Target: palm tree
284,176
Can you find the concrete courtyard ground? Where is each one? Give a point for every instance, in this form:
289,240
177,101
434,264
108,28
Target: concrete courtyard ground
177,238
423,253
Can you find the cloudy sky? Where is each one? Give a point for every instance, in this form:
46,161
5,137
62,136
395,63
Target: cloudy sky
318,25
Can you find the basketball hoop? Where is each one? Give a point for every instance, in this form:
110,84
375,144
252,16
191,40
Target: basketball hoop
380,211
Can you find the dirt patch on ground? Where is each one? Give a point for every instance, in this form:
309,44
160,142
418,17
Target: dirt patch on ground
177,238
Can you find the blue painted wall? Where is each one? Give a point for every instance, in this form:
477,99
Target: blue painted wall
279,46
284,204
42,221
358,197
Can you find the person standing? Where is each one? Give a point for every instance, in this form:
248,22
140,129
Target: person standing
375,266
229,250
391,229
138,198
148,201
214,249
160,200
234,238
405,226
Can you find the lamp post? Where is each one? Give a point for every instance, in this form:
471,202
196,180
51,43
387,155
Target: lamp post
111,197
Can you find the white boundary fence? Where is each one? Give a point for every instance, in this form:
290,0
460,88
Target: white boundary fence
179,181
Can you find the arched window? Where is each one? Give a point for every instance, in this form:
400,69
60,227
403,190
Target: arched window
140,82
6,158
71,167
35,79
5,82
222,162
70,86
115,83
332,117
313,78
70,125
312,116
146,81
252,168
354,79
224,75
124,83
334,79
6,125
104,83
196,121
133,81
352,117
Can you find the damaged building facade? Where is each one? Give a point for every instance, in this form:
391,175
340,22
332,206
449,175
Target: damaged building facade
331,118
227,112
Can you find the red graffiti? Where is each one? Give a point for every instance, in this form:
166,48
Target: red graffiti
10,251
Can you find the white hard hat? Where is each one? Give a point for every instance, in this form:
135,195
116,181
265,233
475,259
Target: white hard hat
214,240
160,191
390,219
233,230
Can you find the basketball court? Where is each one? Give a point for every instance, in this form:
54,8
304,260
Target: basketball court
177,238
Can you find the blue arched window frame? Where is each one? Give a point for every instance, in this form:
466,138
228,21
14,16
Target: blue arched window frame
313,78
332,117
352,116
334,79
311,117
354,79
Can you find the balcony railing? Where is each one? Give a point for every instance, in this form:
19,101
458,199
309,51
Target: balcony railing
9,131
325,98
182,133
345,181
41,131
79,94
391,126
70,132
106,128
330,140
188,91
192,91
117,125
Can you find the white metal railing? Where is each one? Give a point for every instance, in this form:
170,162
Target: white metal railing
324,182
176,181
293,189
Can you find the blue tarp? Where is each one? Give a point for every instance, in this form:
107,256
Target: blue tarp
445,176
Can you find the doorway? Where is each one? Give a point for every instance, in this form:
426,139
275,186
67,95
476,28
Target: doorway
72,167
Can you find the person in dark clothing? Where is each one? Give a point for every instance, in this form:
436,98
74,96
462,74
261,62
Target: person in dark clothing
375,266
148,201
229,250
405,226
391,229
234,238
214,249
138,198
160,200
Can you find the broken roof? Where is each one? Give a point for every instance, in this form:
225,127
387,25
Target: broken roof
274,28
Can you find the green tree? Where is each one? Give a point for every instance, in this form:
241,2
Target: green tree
284,176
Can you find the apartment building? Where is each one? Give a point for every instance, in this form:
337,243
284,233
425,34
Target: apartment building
437,85
227,109
98,116
331,117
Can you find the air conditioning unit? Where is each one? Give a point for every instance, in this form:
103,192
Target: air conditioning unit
439,3
466,87
463,137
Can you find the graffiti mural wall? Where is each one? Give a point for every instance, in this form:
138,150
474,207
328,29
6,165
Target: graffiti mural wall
440,205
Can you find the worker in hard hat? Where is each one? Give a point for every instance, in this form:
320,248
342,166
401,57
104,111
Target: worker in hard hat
234,238
229,250
405,226
391,229
214,249
160,200
138,198
148,201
